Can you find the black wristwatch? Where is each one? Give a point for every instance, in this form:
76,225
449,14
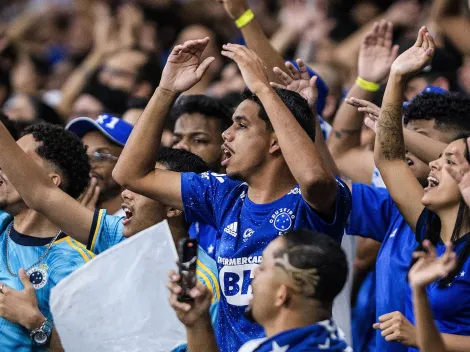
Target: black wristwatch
42,336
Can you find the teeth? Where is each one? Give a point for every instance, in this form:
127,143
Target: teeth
433,181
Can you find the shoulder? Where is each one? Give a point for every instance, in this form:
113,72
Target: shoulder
71,251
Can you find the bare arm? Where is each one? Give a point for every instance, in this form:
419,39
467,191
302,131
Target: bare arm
135,169
255,38
389,143
317,182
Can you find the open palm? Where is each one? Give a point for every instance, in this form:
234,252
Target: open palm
417,57
184,67
299,82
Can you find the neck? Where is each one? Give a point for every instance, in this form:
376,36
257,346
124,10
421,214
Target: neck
270,183
448,219
32,223
178,228
290,319
111,204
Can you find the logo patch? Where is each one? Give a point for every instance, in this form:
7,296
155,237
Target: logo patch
38,277
282,219
232,229
247,234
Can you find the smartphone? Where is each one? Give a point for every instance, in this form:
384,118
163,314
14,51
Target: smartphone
187,251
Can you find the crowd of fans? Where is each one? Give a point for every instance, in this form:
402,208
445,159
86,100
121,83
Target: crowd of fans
318,150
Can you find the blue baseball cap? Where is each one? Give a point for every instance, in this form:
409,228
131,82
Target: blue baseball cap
321,87
428,89
114,128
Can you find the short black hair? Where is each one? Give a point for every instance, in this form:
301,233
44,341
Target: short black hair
451,111
204,105
180,160
307,249
66,152
297,105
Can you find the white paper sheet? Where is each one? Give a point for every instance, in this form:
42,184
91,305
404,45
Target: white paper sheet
119,300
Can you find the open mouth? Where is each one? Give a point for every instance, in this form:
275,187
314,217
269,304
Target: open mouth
227,155
409,161
128,215
432,182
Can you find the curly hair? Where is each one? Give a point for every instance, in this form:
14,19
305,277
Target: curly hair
451,111
66,152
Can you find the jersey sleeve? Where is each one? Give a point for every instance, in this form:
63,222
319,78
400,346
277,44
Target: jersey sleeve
206,272
201,194
105,232
371,212
334,228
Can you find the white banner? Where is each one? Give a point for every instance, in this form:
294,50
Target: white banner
119,301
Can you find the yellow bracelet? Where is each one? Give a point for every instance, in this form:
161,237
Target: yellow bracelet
366,85
244,19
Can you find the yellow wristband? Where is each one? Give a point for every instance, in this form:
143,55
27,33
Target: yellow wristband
244,19
366,85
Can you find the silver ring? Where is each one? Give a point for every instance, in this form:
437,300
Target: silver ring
1,288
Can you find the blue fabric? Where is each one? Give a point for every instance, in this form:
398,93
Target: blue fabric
112,127
322,336
244,229
374,215
450,304
65,256
206,236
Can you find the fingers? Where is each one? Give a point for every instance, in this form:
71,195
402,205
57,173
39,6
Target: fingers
303,69
25,279
293,70
385,317
285,78
381,32
370,123
5,289
371,112
394,52
277,85
204,66
430,249
388,39
420,39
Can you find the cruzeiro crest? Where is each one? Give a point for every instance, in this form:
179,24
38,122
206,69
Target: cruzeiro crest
282,219
38,276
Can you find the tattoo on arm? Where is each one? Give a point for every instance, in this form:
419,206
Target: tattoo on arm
339,134
390,132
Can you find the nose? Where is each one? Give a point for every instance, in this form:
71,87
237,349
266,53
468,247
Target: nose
182,144
434,165
227,135
126,195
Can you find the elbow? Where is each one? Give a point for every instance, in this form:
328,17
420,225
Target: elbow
121,177
315,183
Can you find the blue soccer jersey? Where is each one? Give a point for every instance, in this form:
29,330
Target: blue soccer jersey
244,229
206,236
374,215
450,304
65,256
106,232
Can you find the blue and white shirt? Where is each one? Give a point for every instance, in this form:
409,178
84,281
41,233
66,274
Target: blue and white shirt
65,256
244,229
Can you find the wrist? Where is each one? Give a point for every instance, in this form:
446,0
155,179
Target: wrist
418,289
236,13
167,92
367,85
202,324
34,321
397,76
244,19
264,91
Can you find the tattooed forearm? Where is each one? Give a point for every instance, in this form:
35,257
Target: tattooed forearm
339,134
390,132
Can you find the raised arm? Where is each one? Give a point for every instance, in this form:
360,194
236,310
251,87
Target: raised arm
255,38
317,183
423,147
389,149
135,169
301,82
375,58
39,191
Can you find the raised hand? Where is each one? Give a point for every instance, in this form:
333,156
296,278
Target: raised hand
300,81
193,312
430,267
234,8
460,172
251,67
370,110
377,53
89,198
417,57
184,67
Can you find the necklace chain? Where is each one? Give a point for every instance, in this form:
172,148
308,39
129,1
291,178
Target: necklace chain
7,260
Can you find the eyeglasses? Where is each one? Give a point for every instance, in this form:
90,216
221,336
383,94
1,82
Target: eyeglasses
97,157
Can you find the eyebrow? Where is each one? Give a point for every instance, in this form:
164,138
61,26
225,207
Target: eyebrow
449,154
240,119
191,133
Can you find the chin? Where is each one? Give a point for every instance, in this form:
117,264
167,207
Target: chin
235,175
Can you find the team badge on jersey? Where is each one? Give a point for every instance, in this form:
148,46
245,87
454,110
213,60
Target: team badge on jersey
38,276
282,219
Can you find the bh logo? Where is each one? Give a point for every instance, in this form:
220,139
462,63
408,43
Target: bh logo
235,282
282,219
